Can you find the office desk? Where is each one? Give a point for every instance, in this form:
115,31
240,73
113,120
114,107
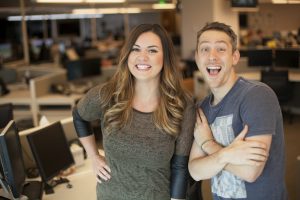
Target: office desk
294,76
21,101
83,182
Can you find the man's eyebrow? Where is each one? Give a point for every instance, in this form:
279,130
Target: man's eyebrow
219,41
222,41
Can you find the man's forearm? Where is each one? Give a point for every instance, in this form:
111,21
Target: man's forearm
245,172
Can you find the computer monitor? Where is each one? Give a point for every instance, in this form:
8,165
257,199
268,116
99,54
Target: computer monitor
287,58
6,51
83,68
244,3
11,160
6,115
51,152
260,58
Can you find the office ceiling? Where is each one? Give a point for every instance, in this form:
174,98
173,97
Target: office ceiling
12,7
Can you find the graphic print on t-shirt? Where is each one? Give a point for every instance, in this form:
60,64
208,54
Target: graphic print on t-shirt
225,184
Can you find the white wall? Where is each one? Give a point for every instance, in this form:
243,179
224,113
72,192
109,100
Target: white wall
223,13
196,13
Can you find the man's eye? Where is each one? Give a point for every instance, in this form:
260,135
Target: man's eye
221,49
204,50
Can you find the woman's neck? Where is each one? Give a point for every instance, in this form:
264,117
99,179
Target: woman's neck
146,97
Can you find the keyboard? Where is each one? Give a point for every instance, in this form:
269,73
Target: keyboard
33,190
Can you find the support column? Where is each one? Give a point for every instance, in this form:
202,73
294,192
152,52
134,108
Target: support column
94,31
24,34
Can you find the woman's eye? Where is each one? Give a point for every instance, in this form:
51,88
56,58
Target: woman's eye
153,51
135,50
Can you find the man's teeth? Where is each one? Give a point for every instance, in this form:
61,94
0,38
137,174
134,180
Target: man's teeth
141,66
213,69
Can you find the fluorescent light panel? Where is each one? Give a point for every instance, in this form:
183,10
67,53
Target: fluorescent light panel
286,1
80,1
163,6
54,17
106,11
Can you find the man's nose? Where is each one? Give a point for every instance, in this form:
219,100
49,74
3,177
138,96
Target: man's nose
212,55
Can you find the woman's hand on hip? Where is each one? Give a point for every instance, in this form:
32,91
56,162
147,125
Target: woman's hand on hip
101,169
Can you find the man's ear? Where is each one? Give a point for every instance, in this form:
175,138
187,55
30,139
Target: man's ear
197,58
235,57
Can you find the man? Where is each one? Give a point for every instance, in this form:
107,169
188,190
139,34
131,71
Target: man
239,141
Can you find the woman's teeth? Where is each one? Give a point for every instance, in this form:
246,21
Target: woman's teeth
143,66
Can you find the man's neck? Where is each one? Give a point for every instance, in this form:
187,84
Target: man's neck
221,92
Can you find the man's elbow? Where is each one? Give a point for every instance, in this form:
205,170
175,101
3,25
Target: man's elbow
252,177
193,172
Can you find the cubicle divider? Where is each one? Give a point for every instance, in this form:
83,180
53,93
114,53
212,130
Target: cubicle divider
59,105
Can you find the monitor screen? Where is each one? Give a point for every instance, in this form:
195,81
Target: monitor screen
244,3
260,58
6,51
50,150
11,159
6,111
287,58
83,68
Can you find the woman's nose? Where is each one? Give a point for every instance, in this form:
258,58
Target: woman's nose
142,55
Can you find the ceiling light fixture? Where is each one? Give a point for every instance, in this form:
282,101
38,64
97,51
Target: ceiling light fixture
163,6
107,11
54,17
80,1
286,1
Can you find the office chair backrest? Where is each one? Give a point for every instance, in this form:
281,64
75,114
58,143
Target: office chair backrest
279,82
6,114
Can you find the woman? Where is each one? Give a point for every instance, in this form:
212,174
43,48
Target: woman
147,122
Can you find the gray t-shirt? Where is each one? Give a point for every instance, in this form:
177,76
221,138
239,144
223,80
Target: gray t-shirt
139,155
255,104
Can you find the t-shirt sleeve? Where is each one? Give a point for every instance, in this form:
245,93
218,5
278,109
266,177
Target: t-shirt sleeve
260,110
186,136
89,107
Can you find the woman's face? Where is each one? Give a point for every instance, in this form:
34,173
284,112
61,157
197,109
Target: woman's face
145,60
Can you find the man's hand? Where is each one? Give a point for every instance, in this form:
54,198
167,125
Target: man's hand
202,130
241,152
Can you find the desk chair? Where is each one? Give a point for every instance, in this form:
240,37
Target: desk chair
279,82
6,114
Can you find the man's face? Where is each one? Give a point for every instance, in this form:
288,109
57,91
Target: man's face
215,59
